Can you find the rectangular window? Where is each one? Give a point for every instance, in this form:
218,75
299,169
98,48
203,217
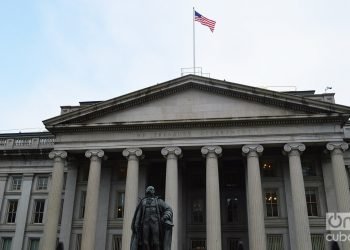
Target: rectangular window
271,203
78,242
120,204
268,169
16,183
38,211
318,242
42,183
198,211
34,244
198,244
235,244
274,242
232,209
6,243
12,211
82,204
117,242
311,201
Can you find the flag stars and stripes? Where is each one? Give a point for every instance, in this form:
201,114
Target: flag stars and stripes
204,21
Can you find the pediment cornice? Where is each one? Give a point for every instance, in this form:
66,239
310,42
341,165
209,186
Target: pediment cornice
202,123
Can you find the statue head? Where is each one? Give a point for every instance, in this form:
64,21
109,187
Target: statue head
150,190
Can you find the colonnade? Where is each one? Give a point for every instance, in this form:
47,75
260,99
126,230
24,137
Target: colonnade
256,225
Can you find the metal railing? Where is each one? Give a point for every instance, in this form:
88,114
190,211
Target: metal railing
194,71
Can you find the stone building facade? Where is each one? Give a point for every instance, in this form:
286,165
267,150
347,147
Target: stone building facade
238,164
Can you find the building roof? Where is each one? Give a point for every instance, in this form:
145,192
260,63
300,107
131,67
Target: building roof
310,108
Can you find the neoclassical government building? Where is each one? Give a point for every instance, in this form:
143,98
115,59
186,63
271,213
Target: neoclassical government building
238,165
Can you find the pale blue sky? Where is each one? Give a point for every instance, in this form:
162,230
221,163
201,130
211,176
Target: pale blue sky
60,53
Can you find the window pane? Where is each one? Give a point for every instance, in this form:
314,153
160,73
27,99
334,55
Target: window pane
42,183
6,243
198,211
12,211
271,203
38,212
120,204
232,209
198,245
16,183
274,242
311,201
34,244
117,242
235,244
267,169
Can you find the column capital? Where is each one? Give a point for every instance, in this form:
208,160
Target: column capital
210,151
94,154
252,150
337,146
58,154
171,151
133,153
294,148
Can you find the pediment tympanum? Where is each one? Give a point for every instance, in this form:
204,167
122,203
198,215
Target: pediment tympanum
193,104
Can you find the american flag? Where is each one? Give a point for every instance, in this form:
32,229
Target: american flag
205,21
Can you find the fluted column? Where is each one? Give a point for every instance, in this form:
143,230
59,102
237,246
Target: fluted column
91,202
301,219
171,188
340,180
213,197
341,184
256,223
131,192
48,241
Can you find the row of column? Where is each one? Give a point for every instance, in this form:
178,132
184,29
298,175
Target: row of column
256,225
49,241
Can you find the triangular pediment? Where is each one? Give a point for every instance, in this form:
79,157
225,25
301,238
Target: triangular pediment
194,98
192,104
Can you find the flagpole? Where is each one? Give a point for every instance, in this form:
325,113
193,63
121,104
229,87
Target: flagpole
194,44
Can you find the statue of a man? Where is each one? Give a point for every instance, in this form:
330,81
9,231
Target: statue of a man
152,224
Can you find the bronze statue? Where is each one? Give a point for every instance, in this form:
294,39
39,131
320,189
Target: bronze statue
152,224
